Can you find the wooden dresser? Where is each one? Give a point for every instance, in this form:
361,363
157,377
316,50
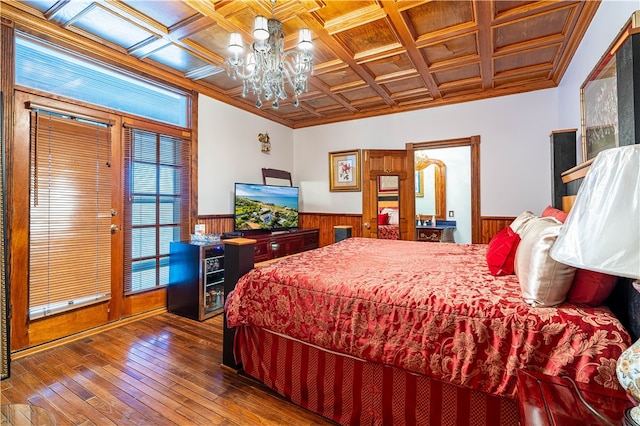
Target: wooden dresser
442,232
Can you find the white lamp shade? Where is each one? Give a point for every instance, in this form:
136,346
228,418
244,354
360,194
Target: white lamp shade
602,231
304,40
235,43
260,28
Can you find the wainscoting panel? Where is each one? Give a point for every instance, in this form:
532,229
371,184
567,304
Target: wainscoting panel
491,225
324,222
218,224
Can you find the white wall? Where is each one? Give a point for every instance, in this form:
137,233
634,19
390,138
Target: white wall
229,152
514,149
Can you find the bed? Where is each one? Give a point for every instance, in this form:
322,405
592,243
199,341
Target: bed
370,331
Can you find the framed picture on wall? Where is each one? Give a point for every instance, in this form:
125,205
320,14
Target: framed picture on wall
344,170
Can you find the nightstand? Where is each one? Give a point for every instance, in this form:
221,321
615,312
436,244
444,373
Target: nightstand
547,400
434,234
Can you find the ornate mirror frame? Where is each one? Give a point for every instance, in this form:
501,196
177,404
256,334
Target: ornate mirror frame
440,184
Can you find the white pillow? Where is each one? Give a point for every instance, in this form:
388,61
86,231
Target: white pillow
393,215
543,280
519,225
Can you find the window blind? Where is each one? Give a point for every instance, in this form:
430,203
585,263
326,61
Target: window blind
157,179
70,213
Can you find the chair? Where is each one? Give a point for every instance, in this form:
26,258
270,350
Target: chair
280,175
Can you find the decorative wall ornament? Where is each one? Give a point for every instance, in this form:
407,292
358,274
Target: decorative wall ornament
263,138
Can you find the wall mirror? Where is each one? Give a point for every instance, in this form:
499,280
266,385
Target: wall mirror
388,203
433,202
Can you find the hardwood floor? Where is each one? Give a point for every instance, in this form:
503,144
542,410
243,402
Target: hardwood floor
162,370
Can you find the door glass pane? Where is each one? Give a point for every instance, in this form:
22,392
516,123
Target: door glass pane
388,207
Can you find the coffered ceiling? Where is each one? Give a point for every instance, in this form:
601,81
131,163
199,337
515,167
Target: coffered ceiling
370,57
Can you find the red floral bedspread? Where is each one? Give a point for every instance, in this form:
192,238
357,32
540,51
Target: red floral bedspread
389,232
431,308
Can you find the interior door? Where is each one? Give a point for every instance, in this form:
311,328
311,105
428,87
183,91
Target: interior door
376,166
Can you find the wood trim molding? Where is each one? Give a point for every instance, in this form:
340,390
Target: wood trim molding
474,143
576,172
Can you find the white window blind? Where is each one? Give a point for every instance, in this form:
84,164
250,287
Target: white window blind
70,213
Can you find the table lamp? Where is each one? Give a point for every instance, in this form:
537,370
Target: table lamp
602,233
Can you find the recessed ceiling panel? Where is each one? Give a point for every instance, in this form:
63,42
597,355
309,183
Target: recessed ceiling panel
102,23
359,94
544,56
450,49
223,81
404,85
321,102
339,77
177,58
528,30
167,13
456,74
390,65
436,16
215,39
41,5
367,37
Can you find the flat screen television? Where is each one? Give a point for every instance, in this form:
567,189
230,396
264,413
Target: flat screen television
265,207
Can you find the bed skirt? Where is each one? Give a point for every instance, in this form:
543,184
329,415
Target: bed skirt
350,391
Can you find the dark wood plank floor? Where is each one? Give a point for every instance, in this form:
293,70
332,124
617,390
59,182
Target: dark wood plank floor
162,370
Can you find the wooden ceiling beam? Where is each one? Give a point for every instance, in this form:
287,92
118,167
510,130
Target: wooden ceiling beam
407,38
484,14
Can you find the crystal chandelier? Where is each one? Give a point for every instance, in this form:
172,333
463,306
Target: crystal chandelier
267,65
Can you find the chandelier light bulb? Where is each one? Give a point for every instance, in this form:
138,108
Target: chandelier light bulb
260,28
251,63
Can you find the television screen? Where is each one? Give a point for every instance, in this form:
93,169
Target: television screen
267,207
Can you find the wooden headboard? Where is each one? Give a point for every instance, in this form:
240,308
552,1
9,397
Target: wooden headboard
572,178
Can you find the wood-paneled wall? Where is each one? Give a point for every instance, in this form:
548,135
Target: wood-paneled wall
324,222
491,225
218,224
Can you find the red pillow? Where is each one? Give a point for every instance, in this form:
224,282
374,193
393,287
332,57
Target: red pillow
502,252
383,219
591,287
553,212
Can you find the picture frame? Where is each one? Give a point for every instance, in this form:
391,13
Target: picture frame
388,184
599,102
344,170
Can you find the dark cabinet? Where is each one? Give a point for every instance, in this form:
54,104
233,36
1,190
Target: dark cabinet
563,157
196,280
275,245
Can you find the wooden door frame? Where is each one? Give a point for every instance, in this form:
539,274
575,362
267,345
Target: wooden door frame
474,143
406,191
